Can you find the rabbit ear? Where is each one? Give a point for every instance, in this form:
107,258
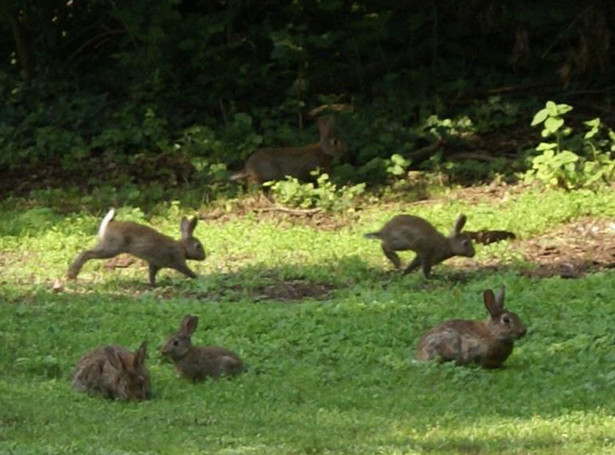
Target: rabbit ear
188,325
114,359
491,304
459,224
140,355
187,227
192,224
499,298
325,126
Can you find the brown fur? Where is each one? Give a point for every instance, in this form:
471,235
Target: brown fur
197,363
113,372
276,163
158,250
486,343
408,232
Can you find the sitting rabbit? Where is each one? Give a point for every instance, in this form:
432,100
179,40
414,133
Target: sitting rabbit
486,343
157,249
408,232
276,163
114,372
197,363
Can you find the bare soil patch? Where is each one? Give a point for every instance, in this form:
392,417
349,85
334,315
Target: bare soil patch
572,250
121,261
264,210
294,290
281,290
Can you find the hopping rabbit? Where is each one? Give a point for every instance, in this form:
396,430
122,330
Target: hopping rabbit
408,232
197,363
276,163
486,343
114,372
159,250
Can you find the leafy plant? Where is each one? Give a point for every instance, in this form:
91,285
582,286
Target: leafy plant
397,165
324,194
571,160
447,127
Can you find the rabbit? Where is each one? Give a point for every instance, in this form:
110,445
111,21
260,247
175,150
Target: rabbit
157,249
408,232
114,372
197,363
486,343
276,163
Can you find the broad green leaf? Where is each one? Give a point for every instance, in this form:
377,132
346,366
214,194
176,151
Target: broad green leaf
566,156
594,123
563,108
551,108
539,117
546,146
553,124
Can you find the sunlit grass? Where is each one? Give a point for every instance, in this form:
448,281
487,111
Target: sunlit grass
328,375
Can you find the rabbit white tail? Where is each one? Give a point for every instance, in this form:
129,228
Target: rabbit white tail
237,176
372,235
103,225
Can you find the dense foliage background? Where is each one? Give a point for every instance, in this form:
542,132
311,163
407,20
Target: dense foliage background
168,90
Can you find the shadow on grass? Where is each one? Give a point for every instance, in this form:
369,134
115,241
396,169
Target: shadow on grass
469,445
287,283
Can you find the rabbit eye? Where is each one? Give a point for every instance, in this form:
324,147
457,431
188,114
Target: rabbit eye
506,320
175,342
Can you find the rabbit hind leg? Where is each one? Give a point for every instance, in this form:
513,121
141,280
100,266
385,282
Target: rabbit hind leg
413,265
392,256
96,253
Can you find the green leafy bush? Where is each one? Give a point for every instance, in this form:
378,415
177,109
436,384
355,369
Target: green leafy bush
324,194
572,160
397,165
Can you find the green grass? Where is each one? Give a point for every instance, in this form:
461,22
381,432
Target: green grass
325,376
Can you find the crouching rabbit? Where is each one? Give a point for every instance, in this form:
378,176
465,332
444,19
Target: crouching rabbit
197,363
486,343
113,372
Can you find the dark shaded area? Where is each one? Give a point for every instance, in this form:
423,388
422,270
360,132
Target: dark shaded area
147,91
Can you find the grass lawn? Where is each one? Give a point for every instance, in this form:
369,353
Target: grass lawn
327,329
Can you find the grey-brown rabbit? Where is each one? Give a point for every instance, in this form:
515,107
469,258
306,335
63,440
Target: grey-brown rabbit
408,232
158,250
197,363
486,343
113,372
276,163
